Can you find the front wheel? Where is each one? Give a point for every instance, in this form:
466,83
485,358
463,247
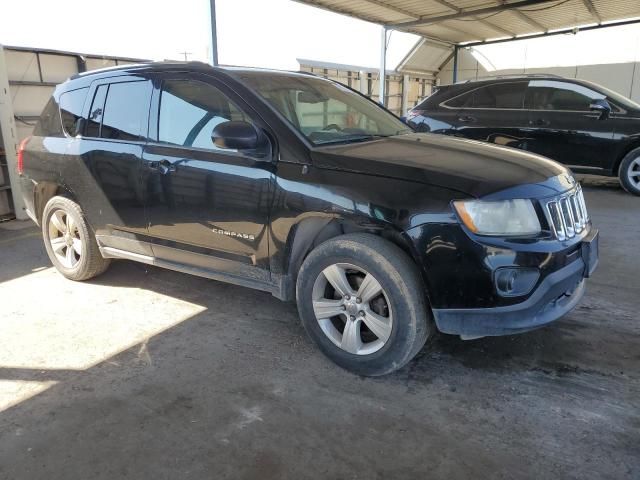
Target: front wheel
630,172
362,300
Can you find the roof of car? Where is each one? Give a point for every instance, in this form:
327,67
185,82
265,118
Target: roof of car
515,76
190,66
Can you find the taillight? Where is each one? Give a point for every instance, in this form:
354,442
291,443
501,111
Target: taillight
20,163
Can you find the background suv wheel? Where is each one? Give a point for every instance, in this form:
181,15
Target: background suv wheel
630,172
362,300
69,241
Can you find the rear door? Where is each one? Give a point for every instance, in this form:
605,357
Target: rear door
436,114
109,154
563,128
207,206
494,113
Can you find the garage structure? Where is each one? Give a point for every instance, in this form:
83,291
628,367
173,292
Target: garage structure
27,76
403,89
621,77
447,25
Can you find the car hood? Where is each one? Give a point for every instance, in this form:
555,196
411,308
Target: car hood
474,168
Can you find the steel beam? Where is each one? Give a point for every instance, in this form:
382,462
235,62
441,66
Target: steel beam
455,64
527,19
9,140
557,32
214,33
495,28
383,66
393,8
592,10
505,7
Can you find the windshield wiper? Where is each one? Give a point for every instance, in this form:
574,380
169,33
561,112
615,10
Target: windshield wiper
361,138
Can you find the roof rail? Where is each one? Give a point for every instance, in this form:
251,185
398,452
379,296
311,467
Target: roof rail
510,75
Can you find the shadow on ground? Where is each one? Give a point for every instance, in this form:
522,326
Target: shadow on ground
238,391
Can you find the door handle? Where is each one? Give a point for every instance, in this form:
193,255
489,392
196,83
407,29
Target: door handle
466,119
539,122
163,166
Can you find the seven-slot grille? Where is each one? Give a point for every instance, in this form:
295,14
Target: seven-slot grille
568,214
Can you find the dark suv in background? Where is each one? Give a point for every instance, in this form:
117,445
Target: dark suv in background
301,187
578,123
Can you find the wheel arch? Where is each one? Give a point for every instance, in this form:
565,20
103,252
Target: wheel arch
633,145
312,231
44,192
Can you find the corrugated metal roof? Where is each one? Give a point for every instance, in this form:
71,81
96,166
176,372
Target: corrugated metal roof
463,21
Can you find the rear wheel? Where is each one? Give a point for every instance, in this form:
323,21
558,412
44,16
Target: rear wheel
69,242
361,299
630,172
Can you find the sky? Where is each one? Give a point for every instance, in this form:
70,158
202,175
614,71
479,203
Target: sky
263,33
267,33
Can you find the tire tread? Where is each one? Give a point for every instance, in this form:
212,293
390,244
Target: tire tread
96,264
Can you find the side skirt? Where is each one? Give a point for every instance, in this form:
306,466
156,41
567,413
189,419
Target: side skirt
275,290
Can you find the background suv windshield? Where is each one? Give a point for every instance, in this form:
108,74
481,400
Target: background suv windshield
323,111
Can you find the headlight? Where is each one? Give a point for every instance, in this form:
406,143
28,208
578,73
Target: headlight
507,217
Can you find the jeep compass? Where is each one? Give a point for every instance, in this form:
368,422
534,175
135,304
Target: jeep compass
298,186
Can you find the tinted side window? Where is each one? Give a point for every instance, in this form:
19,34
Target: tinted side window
124,111
71,104
556,95
49,122
460,101
95,113
501,95
190,110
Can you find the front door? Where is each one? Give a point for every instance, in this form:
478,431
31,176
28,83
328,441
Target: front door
562,127
494,113
207,206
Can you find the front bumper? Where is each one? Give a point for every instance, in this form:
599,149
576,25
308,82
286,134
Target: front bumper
556,295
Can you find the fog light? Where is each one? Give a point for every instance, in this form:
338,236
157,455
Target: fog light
515,281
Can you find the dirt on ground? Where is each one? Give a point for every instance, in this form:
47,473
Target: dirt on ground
147,373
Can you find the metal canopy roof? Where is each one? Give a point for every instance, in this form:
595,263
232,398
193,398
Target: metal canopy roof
465,21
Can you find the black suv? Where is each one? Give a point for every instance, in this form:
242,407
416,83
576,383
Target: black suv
583,125
299,186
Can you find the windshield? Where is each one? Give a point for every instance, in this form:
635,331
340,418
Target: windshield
323,111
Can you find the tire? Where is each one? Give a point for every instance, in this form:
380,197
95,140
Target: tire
75,255
629,172
399,317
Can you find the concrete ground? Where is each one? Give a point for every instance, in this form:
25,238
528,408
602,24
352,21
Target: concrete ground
147,373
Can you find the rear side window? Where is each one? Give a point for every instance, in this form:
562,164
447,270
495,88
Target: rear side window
118,111
71,104
460,101
49,122
501,95
123,111
94,121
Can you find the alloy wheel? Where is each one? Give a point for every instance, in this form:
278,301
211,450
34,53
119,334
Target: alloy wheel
633,172
64,238
352,309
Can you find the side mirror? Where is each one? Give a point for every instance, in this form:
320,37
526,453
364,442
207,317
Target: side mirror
601,106
237,136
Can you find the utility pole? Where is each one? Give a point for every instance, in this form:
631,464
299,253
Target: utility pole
185,55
